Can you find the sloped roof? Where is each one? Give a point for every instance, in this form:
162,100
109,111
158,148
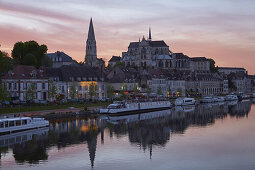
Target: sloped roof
26,72
59,54
180,56
115,59
198,59
151,43
66,72
157,43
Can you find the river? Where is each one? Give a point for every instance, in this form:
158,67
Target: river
219,136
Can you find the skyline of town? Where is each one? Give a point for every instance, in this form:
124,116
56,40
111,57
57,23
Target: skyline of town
210,33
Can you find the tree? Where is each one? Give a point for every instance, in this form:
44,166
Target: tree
92,90
231,85
148,90
109,91
159,90
136,89
4,94
73,90
179,92
118,63
169,91
30,93
52,92
213,69
123,89
47,62
6,63
30,60
22,52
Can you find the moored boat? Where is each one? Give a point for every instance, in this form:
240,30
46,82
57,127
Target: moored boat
220,99
18,124
231,97
183,101
206,99
125,108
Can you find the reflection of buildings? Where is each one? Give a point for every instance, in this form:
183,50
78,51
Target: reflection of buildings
16,140
145,130
156,131
68,132
241,109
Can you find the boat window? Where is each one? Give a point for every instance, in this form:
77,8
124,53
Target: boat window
24,138
1,142
1,124
6,124
24,122
11,123
12,140
18,122
18,139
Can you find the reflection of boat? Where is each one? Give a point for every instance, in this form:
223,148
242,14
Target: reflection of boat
231,97
17,124
137,117
186,109
219,99
124,108
20,137
232,103
182,101
206,99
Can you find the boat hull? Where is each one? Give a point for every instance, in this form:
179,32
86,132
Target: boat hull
24,128
130,112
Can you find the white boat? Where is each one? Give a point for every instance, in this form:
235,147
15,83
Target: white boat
207,99
18,124
125,108
186,109
183,101
231,97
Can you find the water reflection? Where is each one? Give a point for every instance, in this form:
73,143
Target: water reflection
144,130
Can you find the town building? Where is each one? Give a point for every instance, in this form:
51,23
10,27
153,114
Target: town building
23,82
238,81
205,84
59,59
166,84
199,65
114,60
78,82
123,79
228,70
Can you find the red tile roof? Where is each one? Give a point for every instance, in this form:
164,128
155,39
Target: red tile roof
26,72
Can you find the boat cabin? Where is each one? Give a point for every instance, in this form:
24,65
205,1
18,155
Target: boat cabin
11,122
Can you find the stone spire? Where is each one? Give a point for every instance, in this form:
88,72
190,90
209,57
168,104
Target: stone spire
91,47
91,34
149,34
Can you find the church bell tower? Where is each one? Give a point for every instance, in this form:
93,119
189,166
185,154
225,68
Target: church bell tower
91,48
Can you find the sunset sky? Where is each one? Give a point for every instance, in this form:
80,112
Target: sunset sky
220,29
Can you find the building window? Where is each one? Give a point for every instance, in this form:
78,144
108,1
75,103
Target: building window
43,85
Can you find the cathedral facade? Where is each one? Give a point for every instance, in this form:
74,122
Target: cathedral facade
148,54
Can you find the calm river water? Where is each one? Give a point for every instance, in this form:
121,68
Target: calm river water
212,137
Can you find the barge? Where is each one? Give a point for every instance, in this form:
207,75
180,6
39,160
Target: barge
18,124
125,108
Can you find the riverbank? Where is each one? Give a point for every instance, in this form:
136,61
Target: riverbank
46,109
